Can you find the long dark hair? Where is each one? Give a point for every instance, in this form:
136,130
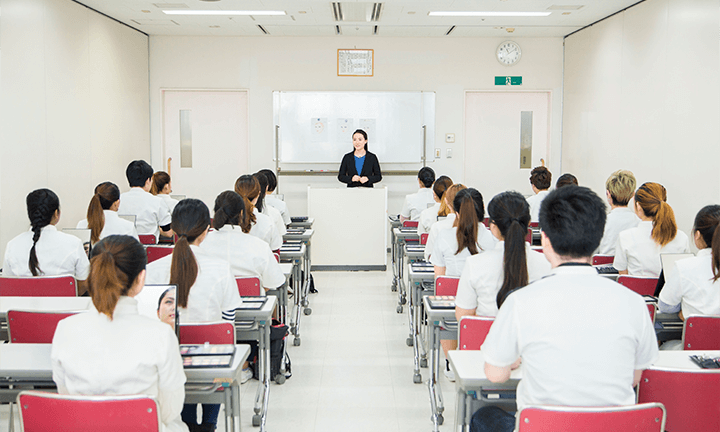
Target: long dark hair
229,209
706,223
364,134
263,183
247,187
469,206
190,219
510,212
41,207
106,194
442,184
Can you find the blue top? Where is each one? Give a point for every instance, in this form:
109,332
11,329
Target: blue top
359,162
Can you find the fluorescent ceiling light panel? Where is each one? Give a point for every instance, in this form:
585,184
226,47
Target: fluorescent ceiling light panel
488,14
224,12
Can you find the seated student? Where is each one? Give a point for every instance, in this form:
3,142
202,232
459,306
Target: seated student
112,350
267,210
419,201
162,187
447,223
540,180
206,288
430,215
260,225
273,201
568,358
638,249
489,277
619,189
102,217
45,251
246,254
566,180
151,213
467,237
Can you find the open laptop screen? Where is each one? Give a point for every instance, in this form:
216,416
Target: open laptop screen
669,260
158,302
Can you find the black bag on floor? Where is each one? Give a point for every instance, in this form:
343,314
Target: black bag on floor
311,288
278,332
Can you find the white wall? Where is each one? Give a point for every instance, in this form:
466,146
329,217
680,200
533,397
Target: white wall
73,106
447,66
642,93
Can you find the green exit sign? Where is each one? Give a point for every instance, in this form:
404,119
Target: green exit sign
508,80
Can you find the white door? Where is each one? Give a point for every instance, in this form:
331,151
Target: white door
492,158
216,123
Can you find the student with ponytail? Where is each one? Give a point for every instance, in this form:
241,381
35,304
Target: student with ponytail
271,200
102,217
113,349
45,251
489,277
467,237
256,223
430,215
638,249
447,222
267,210
162,187
247,254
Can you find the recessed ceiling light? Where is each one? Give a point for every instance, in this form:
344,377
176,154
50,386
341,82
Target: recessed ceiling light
510,29
487,14
224,12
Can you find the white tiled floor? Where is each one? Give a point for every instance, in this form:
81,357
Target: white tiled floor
353,371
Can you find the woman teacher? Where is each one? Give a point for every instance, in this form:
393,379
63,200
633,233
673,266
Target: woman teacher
359,168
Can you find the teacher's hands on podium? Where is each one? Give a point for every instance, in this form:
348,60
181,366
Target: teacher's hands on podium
357,178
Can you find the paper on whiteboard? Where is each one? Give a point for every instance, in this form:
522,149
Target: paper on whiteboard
343,130
318,130
368,125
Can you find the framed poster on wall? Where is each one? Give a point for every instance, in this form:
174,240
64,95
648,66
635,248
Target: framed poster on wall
355,62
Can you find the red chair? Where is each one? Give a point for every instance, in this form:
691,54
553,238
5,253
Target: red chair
701,332
636,418
33,327
43,412
473,331
534,225
446,286
410,224
653,310
277,256
603,259
528,237
147,239
538,249
486,222
423,238
155,252
640,284
217,333
38,286
248,286
690,397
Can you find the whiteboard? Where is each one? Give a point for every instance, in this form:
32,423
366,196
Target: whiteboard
317,127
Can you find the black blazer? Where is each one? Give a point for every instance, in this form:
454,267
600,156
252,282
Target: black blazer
370,169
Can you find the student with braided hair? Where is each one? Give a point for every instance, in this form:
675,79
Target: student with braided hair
102,216
45,251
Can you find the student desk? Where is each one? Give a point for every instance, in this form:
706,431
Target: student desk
415,252
304,224
295,255
304,238
23,365
441,325
282,293
394,222
402,236
418,279
55,304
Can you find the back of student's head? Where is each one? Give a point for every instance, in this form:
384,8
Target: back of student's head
262,182
451,193
510,212
573,219
706,223
469,206
138,173
41,207
426,175
229,209
621,185
159,180
541,178
652,199
248,187
115,264
566,180
190,219
106,194
271,179
441,185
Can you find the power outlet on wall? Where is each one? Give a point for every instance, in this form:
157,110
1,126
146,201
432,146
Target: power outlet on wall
449,153
437,153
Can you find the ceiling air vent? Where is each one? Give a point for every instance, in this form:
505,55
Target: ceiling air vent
450,30
565,7
171,6
356,12
262,29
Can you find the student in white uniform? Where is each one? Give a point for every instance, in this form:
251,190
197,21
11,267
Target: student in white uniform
430,215
272,200
45,251
246,254
151,213
638,249
162,187
540,181
256,223
447,223
267,210
566,179
467,237
112,349
553,324
419,201
619,190
206,287
102,216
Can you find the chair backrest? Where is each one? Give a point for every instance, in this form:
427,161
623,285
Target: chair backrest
33,326
446,286
603,259
528,236
155,252
248,286
701,332
636,418
690,397
410,224
639,284
147,239
218,333
38,286
653,310
534,225
42,412
473,330
486,222
277,256
423,238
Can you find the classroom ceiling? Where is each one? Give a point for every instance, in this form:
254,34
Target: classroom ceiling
395,18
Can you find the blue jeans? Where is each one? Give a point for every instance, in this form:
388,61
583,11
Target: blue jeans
492,419
210,414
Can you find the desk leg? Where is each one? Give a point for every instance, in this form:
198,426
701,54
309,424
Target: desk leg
460,409
299,287
262,396
433,386
402,297
413,313
306,283
393,251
